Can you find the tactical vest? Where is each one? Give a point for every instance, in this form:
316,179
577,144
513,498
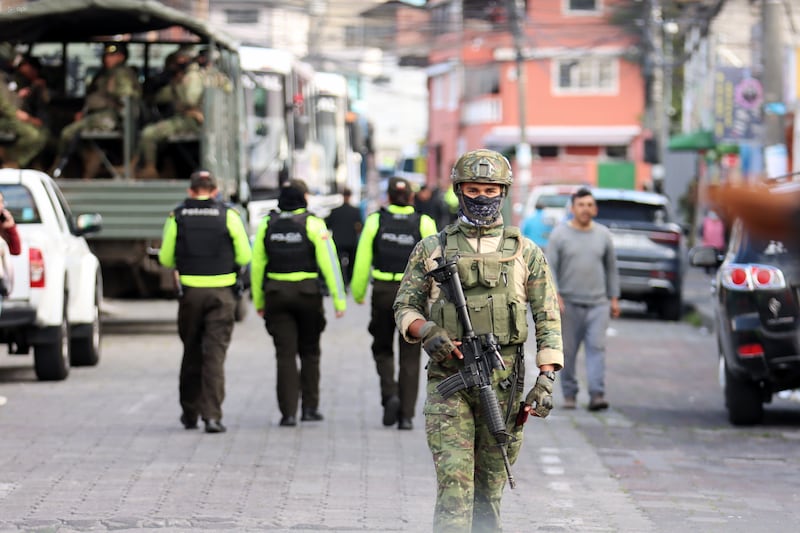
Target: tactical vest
397,234
489,288
203,246
288,247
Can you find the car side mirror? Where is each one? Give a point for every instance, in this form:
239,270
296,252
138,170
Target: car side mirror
86,223
705,256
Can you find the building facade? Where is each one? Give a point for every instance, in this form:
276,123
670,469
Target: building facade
583,100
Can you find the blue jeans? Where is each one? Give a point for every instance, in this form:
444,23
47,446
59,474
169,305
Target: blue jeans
585,324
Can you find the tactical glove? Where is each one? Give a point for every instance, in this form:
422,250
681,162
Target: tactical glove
541,396
436,341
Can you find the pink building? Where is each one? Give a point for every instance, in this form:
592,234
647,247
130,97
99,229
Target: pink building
584,102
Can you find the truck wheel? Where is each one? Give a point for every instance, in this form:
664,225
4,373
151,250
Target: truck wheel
51,360
670,307
85,349
743,399
242,305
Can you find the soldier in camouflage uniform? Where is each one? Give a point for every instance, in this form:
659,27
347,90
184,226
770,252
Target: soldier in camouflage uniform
185,90
501,272
29,139
104,102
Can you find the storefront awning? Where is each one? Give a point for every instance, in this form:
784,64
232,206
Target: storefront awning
503,136
696,140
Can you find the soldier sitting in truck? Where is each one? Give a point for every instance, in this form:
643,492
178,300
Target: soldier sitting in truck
22,140
185,93
103,107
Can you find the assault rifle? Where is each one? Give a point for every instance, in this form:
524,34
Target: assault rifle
481,357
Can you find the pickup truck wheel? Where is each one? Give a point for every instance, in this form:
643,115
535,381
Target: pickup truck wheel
670,307
86,348
51,360
742,398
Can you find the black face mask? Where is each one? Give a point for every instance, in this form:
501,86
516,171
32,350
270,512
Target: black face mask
481,210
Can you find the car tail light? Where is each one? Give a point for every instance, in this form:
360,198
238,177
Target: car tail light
750,350
665,237
36,268
750,277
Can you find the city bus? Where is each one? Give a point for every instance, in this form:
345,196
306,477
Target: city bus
296,128
68,36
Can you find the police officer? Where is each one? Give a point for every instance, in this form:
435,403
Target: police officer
205,240
291,248
385,244
104,104
501,273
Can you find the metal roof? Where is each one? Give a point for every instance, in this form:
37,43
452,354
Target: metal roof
83,20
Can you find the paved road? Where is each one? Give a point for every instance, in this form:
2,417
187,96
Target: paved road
104,451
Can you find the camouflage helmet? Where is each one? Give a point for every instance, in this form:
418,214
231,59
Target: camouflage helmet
482,166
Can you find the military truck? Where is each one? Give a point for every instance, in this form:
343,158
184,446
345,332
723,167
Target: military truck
68,36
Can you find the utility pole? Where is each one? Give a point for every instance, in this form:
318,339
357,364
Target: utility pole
523,149
774,107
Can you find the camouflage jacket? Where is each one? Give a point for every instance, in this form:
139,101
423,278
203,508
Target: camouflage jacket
533,285
189,92
8,100
110,86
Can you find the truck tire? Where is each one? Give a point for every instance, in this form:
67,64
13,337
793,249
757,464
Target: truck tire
51,359
85,348
743,399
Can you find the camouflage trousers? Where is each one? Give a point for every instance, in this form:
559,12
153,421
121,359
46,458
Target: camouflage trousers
97,121
470,472
162,130
30,141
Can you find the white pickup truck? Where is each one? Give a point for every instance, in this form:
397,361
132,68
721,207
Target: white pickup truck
56,288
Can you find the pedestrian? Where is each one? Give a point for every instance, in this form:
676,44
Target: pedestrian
345,224
428,200
206,241
291,249
501,273
10,245
581,256
8,228
536,227
387,240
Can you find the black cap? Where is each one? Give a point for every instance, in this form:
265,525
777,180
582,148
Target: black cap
113,48
293,195
400,191
202,179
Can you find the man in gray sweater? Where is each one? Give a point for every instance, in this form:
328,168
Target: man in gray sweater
581,257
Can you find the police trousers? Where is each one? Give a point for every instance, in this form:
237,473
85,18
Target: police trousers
295,318
383,329
205,325
470,472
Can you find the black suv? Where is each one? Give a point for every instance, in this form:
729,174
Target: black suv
755,300
648,246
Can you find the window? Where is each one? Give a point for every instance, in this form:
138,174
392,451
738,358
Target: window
241,16
481,81
617,152
19,202
583,5
547,151
587,75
